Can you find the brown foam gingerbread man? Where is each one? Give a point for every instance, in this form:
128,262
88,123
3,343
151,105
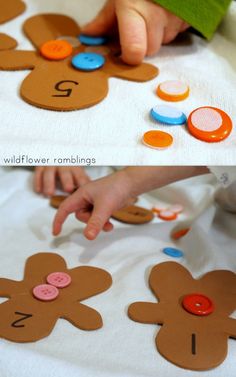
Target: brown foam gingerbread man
49,291
8,10
194,315
57,85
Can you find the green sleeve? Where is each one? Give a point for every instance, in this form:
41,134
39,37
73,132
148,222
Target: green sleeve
203,15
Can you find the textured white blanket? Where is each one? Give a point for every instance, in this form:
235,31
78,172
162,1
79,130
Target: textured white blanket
122,348
111,131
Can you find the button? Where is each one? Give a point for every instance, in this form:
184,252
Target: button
88,40
157,139
157,210
167,215
168,115
73,41
59,279
180,233
198,304
88,61
176,208
56,50
173,91
45,292
209,124
172,252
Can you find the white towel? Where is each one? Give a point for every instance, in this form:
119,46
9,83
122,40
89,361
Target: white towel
121,348
110,132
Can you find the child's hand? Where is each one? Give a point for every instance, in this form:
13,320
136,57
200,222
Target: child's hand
143,27
94,203
70,178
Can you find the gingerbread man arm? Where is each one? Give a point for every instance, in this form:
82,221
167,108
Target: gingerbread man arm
230,327
94,281
221,280
18,60
8,287
82,316
114,67
147,312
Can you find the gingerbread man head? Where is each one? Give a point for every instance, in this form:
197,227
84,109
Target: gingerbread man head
49,291
58,85
194,315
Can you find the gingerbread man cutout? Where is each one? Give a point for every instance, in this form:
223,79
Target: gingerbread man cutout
9,10
194,315
57,85
49,291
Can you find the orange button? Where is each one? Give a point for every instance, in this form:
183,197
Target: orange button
157,210
209,124
56,50
173,91
167,215
180,233
157,139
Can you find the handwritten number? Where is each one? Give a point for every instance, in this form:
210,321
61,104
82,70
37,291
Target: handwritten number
67,92
194,344
24,317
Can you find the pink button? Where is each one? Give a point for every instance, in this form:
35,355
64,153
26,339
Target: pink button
59,279
176,208
45,292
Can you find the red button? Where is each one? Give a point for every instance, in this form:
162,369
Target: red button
59,279
45,292
198,304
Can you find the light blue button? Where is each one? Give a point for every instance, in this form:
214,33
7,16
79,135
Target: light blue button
172,252
88,61
92,41
168,115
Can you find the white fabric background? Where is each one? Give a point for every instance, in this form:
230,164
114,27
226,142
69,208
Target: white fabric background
111,131
122,348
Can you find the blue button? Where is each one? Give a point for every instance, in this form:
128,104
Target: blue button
172,252
88,61
92,41
168,115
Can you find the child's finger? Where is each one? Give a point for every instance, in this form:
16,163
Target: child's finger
155,35
103,21
172,30
98,219
66,179
80,177
38,179
70,205
49,179
85,216
108,227
133,35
